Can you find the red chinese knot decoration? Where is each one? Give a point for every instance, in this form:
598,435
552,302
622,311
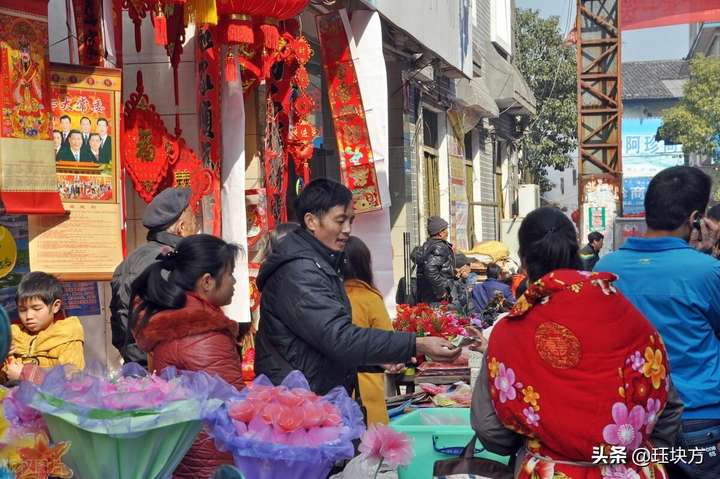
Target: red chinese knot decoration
148,149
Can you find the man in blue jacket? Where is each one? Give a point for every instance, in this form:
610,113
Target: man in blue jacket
483,293
677,287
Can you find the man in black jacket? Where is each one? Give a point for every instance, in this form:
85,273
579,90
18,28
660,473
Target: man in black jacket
590,254
306,321
169,218
436,264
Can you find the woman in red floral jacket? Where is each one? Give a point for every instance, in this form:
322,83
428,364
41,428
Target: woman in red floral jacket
574,376
178,321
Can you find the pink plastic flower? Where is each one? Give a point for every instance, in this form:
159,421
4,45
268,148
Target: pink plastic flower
626,430
636,361
381,443
533,418
619,472
505,383
653,413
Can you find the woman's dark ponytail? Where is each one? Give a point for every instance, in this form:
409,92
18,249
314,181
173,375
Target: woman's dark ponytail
548,242
165,283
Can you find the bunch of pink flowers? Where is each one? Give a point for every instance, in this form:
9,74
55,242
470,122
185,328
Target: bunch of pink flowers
293,417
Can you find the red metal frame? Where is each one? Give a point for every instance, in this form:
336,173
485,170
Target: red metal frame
599,88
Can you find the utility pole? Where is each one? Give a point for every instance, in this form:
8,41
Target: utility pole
599,105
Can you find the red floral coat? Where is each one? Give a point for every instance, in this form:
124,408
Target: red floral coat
574,370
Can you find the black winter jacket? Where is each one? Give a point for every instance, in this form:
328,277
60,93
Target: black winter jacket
306,321
435,271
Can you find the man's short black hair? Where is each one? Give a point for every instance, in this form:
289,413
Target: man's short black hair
673,195
595,236
65,117
40,285
714,213
103,119
319,197
493,271
85,118
74,132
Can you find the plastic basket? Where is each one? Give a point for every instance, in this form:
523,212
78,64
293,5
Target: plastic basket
454,434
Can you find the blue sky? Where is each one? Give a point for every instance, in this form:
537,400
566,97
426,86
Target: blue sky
650,44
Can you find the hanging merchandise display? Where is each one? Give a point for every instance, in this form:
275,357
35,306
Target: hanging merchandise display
353,139
207,63
256,214
88,19
148,149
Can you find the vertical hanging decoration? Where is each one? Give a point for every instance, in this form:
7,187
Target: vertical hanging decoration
276,172
88,18
353,139
147,148
189,172
302,132
208,77
137,10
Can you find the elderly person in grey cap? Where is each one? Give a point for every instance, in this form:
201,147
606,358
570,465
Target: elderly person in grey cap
169,218
435,262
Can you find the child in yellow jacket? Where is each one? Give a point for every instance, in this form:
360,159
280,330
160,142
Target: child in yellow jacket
44,338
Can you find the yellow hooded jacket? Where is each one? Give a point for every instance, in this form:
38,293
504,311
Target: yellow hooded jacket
368,311
61,343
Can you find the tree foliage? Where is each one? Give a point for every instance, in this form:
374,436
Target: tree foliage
548,66
695,121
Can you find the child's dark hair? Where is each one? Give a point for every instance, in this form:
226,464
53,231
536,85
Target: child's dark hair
194,256
37,284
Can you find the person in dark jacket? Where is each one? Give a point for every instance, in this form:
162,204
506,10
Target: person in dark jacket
486,291
306,315
590,254
177,318
169,218
435,264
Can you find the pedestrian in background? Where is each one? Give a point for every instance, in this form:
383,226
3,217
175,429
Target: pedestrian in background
368,311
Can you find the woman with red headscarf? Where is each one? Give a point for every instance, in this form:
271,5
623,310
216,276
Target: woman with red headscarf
575,378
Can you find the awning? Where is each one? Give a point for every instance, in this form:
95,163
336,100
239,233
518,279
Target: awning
28,181
506,84
474,95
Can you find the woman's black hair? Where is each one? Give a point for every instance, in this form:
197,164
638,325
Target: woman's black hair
548,242
358,261
276,235
164,284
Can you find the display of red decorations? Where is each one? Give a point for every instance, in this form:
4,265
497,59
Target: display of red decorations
423,320
148,149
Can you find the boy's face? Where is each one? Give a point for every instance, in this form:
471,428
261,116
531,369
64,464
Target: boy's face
35,315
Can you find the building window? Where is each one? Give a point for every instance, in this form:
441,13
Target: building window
501,24
430,128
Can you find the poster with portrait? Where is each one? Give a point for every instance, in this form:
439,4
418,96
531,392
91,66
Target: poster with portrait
85,120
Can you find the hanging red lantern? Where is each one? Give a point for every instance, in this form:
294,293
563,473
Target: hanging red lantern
275,9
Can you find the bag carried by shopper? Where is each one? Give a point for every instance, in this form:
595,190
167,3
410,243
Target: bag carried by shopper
469,467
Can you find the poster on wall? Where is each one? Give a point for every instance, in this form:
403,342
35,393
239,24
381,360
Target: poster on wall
85,119
600,207
14,258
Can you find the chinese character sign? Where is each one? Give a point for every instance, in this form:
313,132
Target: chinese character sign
643,156
85,119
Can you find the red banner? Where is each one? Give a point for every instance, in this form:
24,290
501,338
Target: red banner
207,62
88,18
356,157
636,14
